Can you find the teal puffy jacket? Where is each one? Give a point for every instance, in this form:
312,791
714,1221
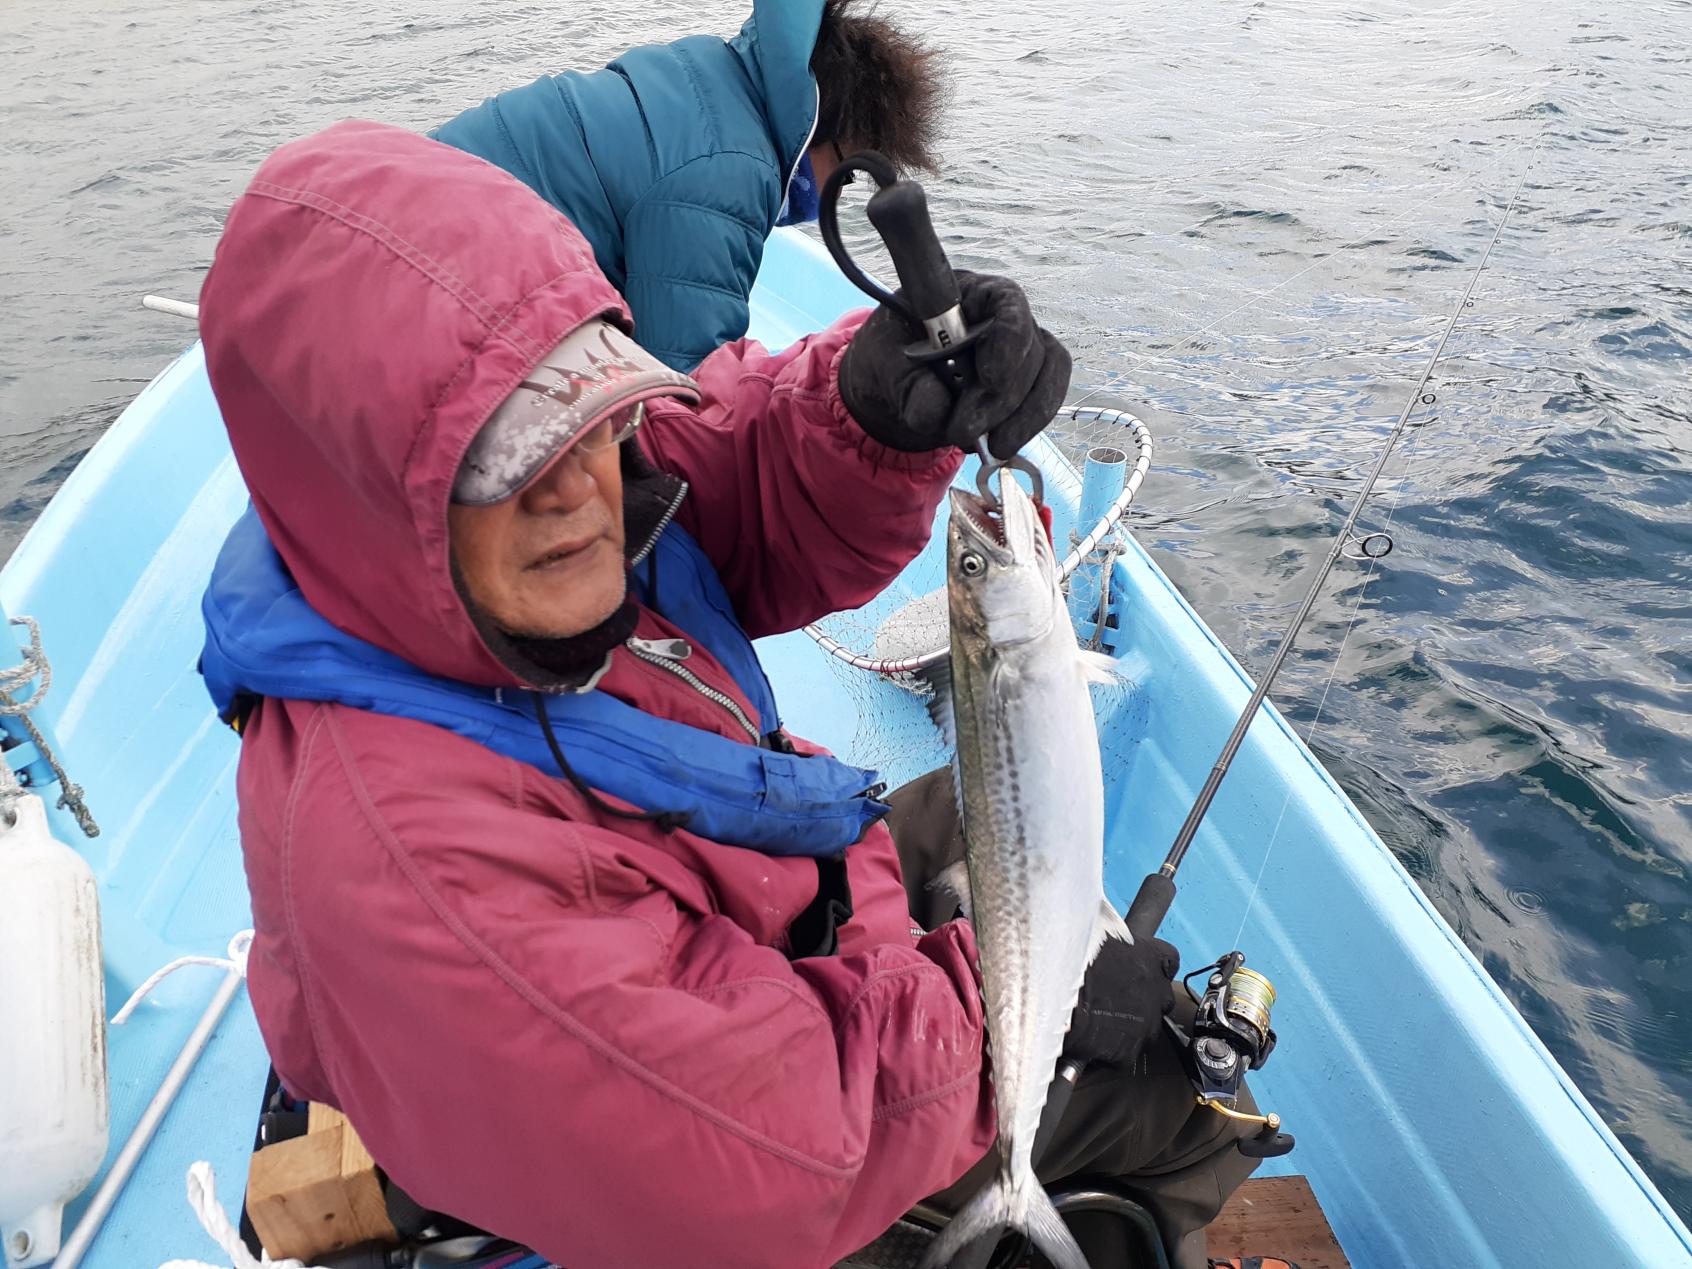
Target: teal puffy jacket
673,161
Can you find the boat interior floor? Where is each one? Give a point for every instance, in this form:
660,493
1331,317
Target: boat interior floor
1269,1216
1276,1216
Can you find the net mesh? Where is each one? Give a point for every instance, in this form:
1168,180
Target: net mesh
894,733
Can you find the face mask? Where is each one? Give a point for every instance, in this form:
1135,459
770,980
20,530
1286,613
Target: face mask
802,192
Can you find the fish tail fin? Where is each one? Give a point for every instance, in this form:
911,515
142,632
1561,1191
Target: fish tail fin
993,1210
1051,1236
987,1213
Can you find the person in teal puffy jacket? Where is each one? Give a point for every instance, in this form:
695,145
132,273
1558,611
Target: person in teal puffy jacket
677,160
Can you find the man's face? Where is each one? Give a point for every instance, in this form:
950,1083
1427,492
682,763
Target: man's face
547,562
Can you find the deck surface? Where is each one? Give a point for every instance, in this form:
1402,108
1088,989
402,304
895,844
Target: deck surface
1276,1216
1272,1216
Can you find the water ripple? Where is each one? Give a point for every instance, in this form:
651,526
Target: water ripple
1250,218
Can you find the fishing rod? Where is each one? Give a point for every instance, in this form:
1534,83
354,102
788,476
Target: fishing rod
1157,891
1230,1032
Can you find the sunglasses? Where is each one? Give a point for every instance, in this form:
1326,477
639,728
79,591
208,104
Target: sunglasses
611,429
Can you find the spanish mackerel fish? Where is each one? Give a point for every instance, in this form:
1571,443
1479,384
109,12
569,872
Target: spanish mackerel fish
1031,794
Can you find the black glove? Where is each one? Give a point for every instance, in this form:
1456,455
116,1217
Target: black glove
1123,1000
1021,375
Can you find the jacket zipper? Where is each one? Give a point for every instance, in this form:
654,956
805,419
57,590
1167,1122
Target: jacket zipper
816,117
664,522
668,654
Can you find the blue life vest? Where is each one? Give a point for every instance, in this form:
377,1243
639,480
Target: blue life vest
264,639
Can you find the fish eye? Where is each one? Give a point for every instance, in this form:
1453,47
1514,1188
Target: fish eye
972,564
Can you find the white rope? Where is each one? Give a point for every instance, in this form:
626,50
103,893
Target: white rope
202,1198
235,962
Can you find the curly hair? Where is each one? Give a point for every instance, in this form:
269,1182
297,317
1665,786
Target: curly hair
879,88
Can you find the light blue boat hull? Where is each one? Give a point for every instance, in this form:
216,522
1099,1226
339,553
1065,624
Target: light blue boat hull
1435,1128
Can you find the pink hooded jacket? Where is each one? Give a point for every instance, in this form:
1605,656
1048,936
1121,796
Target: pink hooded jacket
576,1031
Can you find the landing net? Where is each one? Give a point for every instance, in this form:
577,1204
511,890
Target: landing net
896,636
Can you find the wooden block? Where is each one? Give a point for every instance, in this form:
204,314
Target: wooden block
1276,1216
317,1194
294,1196
362,1188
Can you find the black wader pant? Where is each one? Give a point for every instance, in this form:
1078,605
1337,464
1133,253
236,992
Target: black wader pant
1141,1128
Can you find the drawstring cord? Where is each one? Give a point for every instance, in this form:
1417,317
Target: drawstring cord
665,821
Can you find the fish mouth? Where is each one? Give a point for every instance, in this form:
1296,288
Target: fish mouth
1006,531
975,520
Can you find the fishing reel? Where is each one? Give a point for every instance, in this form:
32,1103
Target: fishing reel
1230,1035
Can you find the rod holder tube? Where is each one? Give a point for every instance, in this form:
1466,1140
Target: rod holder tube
1103,477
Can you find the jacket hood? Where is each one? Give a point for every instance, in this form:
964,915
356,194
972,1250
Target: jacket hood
776,45
374,296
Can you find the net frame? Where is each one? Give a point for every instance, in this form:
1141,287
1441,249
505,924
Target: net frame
1068,480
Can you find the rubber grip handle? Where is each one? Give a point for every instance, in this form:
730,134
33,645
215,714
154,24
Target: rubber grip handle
1151,905
899,213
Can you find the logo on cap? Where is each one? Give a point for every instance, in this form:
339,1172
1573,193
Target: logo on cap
594,370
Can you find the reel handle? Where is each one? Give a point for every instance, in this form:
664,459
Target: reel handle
1267,1144
1150,905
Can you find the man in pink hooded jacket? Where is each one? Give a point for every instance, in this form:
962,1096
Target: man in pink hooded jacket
545,899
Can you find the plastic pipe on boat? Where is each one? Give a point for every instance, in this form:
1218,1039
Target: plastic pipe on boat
1103,477
33,771
82,1237
176,308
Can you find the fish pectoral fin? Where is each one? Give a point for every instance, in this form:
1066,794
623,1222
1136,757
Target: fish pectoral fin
1100,667
953,880
937,679
1109,925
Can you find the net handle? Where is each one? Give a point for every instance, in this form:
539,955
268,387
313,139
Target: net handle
1108,521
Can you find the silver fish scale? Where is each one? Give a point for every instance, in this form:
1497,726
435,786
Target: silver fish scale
1032,794
1032,800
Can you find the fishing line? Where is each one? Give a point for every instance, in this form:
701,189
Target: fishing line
1310,733
1339,657
1418,396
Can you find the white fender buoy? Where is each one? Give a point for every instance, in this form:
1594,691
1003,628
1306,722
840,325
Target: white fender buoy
53,1110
